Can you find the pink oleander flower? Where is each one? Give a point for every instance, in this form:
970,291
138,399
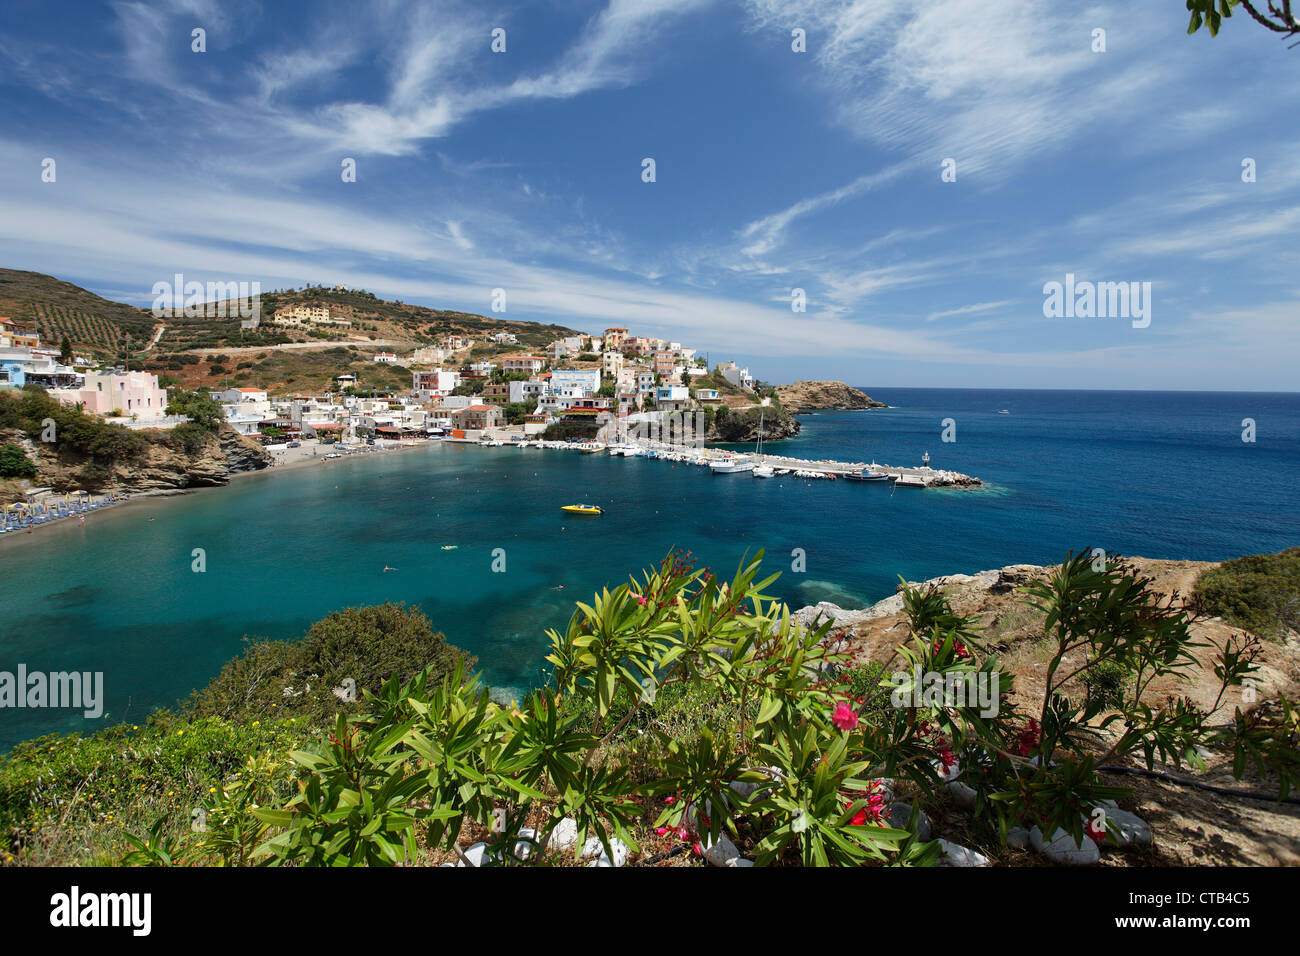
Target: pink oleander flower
660,831
843,717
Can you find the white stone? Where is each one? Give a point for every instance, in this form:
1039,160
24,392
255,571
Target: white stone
721,852
1018,838
899,813
953,854
477,855
523,849
743,787
564,836
592,848
1127,828
962,795
739,861
1061,848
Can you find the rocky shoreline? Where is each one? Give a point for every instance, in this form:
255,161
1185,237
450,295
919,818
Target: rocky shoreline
161,467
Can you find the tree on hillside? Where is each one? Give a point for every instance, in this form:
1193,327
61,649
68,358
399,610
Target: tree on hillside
199,407
65,350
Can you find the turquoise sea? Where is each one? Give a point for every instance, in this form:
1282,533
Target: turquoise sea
1155,474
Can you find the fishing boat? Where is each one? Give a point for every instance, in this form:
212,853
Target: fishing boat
731,465
582,509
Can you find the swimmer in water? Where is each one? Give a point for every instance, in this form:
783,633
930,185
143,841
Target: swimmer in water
387,568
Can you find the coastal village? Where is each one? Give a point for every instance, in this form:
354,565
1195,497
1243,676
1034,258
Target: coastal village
615,392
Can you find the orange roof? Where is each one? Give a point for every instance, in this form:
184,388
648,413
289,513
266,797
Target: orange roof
478,408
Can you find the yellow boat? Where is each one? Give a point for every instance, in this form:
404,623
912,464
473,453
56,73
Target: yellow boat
582,509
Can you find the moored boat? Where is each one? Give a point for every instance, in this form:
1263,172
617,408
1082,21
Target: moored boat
582,509
731,465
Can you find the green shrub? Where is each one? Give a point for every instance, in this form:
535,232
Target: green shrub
355,649
14,463
190,437
1260,592
1108,683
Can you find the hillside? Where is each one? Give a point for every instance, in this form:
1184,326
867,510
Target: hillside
98,326
54,308
402,321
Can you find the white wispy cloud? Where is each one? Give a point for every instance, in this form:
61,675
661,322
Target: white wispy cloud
967,309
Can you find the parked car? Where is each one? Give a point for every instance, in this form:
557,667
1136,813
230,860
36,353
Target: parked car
294,444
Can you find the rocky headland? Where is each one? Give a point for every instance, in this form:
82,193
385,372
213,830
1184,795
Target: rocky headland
824,396
163,462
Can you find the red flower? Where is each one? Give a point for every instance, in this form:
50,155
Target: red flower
1028,739
843,717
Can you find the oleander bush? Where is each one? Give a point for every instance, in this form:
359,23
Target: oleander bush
690,707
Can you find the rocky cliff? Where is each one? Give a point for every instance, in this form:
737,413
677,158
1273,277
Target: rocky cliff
810,396
164,463
742,426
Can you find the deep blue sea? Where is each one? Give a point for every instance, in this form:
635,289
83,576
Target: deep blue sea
1144,473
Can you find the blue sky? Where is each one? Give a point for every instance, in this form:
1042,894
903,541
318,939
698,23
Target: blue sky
775,170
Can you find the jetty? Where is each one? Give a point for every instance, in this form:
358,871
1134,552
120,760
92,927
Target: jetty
921,476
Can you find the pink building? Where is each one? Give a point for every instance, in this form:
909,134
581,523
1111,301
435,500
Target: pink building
122,393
